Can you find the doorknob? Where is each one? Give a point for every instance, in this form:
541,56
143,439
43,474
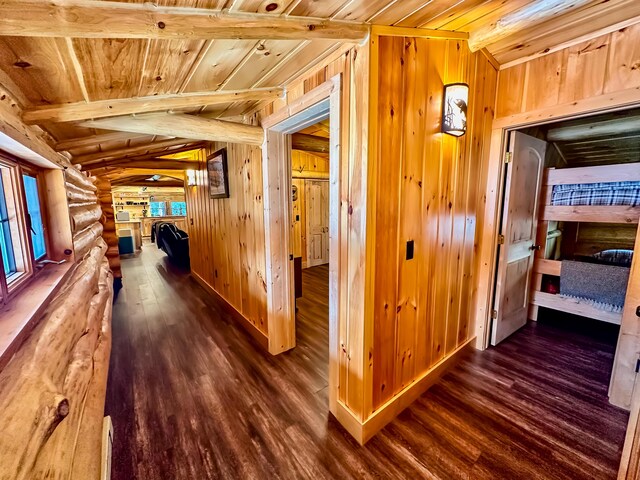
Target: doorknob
534,247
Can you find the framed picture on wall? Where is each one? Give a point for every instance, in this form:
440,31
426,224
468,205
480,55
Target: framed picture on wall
218,174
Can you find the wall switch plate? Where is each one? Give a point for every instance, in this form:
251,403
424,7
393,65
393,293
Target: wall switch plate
410,247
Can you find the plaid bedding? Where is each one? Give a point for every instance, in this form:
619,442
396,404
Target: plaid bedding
612,193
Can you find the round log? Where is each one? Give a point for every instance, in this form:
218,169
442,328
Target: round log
83,241
82,217
79,179
78,196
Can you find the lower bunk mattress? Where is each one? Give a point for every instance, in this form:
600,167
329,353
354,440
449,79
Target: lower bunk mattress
603,286
608,194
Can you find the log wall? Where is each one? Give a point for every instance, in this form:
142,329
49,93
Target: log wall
108,221
53,389
428,190
53,380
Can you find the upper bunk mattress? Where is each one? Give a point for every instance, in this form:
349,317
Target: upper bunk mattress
612,193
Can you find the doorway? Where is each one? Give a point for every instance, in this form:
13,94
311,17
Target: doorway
568,222
322,104
566,251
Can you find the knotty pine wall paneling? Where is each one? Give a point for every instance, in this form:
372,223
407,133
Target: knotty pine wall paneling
309,165
429,192
304,165
227,234
224,256
603,66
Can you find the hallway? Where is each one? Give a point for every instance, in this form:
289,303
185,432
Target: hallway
192,396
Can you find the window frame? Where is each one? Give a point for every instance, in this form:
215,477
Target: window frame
38,174
13,170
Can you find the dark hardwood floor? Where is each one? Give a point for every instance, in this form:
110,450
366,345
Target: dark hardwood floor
192,396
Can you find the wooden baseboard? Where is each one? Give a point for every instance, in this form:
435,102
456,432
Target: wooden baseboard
364,431
349,421
390,410
262,339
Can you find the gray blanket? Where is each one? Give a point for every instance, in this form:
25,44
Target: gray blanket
600,283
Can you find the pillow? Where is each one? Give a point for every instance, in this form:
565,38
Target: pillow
619,257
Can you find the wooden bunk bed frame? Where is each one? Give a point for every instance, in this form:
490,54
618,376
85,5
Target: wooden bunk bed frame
583,213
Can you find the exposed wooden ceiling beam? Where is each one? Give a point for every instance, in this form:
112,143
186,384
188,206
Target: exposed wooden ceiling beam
153,149
113,173
533,13
201,128
142,182
151,164
107,19
618,126
163,154
183,125
75,112
143,176
309,143
95,140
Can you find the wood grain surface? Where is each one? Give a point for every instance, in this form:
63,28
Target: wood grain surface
192,396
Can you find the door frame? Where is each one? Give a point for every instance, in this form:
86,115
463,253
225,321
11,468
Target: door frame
321,102
494,192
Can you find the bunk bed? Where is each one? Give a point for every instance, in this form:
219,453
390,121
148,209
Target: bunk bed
591,286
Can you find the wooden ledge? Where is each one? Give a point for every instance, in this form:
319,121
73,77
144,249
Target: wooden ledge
19,317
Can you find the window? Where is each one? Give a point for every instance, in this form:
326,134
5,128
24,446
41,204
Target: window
158,209
22,230
6,244
35,216
179,209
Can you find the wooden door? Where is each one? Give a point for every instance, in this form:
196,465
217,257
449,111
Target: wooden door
317,213
518,234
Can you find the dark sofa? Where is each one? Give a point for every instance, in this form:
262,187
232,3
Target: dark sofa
173,241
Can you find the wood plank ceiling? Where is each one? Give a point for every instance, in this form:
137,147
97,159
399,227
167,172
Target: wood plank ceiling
51,70
606,139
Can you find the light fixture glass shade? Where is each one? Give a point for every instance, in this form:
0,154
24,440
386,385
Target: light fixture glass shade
454,109
191,178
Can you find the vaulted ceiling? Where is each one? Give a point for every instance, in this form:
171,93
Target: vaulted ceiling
40,68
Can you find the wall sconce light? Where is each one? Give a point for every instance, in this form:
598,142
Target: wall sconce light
191,178
454,109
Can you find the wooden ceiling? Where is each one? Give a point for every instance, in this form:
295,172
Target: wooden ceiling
40,69
601,140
